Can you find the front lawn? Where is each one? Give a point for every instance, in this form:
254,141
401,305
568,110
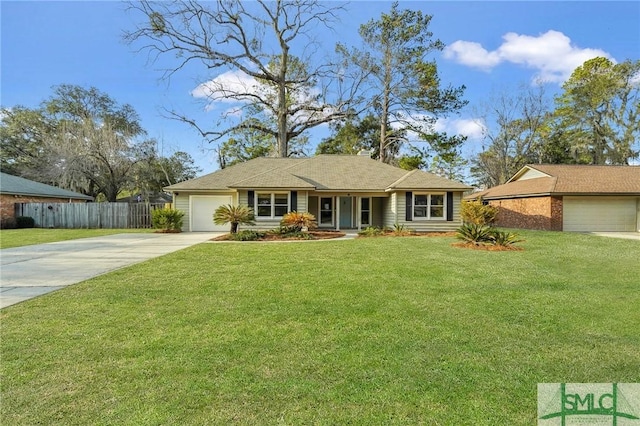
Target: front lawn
365,331
26,237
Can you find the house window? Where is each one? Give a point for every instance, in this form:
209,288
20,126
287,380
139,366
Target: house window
428,206
365,211
272,205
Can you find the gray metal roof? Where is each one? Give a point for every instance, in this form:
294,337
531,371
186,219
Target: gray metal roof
322,172
15,185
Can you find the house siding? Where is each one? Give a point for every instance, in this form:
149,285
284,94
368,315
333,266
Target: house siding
541,213
389,210
181,202
267,224
430,225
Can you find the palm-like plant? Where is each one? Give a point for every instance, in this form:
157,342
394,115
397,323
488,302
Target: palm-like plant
235,215
474,233
299,221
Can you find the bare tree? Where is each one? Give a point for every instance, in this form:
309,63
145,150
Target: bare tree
513,126
255,41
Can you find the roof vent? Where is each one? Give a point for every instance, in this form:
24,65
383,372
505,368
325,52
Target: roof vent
365,152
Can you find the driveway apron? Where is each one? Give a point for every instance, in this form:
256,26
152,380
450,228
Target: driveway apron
31,271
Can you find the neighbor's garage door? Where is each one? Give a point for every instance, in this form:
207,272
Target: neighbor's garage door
202,208
606,214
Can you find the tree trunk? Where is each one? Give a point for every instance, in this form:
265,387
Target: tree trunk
283,143
234,227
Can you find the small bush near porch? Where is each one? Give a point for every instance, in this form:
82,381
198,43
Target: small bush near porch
365,331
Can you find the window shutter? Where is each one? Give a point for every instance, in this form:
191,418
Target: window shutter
450,206
251,196
409,207
294,201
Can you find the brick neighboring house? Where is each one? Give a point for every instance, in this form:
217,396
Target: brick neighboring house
560,197
14,189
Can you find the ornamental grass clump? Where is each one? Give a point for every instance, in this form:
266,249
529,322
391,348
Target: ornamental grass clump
474,233
504,239
371,231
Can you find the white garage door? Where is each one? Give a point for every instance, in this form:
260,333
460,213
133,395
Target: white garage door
606,214
202,208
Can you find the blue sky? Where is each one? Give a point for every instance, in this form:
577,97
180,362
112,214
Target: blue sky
491,47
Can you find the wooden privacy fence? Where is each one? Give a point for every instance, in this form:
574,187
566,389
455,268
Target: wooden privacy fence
89,215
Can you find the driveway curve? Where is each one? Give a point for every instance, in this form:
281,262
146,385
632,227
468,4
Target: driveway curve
31,271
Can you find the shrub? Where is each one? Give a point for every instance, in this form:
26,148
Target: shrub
246,235
371,231
8,223
169,220
235,215
298,221
25,222
504,239
400,230
477,213
286,230
474,233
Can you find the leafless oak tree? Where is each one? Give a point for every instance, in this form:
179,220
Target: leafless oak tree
271,48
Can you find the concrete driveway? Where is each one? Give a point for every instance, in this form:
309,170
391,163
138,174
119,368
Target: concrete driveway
625,235
31,271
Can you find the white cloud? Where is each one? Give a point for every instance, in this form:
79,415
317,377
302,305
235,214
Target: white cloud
229,87
472,54
236,88
551,54
471,128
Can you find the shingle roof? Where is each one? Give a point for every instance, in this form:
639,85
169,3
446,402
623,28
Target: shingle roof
322,172
15,185
566,179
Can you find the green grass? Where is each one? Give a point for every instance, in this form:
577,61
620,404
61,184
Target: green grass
368,331
25,237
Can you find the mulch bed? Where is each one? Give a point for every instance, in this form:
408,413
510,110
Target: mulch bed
315,235
411,234
486,247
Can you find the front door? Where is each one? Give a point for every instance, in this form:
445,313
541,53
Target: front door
346,212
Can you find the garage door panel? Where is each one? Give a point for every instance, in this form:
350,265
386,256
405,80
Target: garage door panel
605,214
202,208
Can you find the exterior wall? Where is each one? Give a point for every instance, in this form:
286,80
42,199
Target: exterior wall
389,210
430,225
181,202
267,224
532,174
8,201
541,213
385,211
395,213
556,214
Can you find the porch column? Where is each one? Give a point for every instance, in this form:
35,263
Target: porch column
337,202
